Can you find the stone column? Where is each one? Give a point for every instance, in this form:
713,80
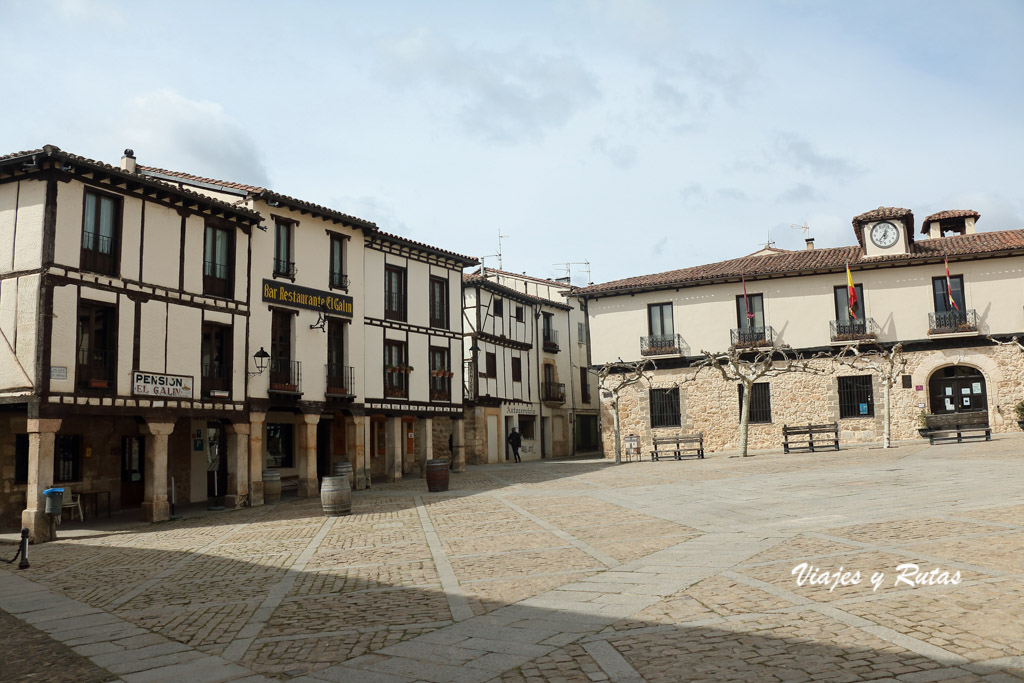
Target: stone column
356,444
256,458
459,444
424,443
41,435
395,439
309,487
238,464
155,507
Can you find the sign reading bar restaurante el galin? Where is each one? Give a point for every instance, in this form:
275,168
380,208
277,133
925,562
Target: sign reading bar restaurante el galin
303,297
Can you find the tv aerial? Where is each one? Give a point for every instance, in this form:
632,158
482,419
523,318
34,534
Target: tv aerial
806,228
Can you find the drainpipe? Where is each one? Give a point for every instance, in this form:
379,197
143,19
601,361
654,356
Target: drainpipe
572,383
540,378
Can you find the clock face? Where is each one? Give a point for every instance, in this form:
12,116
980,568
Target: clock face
884,235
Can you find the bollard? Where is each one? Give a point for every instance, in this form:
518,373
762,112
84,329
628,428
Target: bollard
23,564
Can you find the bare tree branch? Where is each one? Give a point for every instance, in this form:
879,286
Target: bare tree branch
616,376
887,364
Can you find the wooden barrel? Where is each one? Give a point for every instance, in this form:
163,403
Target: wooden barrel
271,486
437,475
344,469
336,496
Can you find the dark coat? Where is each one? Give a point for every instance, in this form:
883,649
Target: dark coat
515,440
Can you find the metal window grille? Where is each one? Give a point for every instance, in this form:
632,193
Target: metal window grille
855,397
760,403
665,408
67,459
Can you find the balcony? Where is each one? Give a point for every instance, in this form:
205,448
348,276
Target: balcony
285,268
216,380
341,381
752,337
440,389
285,376
96,368
339,281
841,331
551,340
98,254
217,280
662,345
552,392
953,322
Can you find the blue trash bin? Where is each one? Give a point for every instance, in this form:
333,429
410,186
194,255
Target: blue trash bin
54,501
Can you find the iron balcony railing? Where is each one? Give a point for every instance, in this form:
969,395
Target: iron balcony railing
217,279
96,368
285,375
341,380
952,322
396,388
661,345
98,254
339,280
440,389
752,337
215,377
551,340
853,330
553,392
285,268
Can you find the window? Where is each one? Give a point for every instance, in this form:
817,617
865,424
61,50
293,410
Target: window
394,293
284,262
665,408
338,278
760,403
283,371
97,346
67,458
340,379
499,307
396,369
527,427
101,231
492,365
519,313
584,385
218,262
550,336
21,458
439,302
941,295
659,320
215,350
855,397
750,312
440,369
517,370
842,298
280,445
581,332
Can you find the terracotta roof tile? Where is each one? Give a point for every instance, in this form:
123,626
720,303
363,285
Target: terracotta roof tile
810,260
952,213
477,280
881,213
388,237
255,189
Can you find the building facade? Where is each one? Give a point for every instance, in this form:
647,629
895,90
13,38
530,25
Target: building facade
526,368
123,355
949,328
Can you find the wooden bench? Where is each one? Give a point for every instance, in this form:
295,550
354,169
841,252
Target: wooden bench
959,434
810,437
678,446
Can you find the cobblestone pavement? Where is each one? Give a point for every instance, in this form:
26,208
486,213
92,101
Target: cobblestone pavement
563,571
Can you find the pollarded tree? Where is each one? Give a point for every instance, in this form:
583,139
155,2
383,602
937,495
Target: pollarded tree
888,365
614,378
749,366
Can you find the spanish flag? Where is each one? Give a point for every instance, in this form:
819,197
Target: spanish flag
851,292
949,288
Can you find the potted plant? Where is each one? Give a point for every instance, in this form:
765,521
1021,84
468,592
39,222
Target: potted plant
922,423
1019,411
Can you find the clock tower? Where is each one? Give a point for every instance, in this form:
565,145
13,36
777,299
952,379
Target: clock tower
885,231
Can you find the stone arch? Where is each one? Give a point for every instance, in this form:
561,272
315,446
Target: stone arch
933,361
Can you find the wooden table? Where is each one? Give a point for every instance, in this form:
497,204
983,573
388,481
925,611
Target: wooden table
95,496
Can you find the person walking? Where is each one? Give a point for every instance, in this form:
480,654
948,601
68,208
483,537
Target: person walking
515,441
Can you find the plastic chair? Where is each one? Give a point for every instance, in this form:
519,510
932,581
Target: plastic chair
73,501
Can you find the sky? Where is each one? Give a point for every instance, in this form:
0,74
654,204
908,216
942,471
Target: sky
634,135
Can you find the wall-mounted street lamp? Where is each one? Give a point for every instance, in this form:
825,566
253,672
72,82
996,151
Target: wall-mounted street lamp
261,359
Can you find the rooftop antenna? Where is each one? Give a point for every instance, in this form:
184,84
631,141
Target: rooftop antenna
483,268
769,244
806,228
567,267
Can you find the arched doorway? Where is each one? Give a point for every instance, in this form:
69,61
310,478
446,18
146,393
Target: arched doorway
957,389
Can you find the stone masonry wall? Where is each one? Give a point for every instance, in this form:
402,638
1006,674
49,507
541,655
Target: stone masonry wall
711,405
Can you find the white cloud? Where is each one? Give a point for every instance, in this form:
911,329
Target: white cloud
623,156
83,11
799,153
167,129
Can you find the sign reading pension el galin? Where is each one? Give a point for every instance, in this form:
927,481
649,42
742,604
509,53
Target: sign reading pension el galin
304,297
165,386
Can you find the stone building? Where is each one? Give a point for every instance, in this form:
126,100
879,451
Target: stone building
124,310
949,327
527,368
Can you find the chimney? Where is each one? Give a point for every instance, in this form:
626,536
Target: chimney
128,161
810,243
